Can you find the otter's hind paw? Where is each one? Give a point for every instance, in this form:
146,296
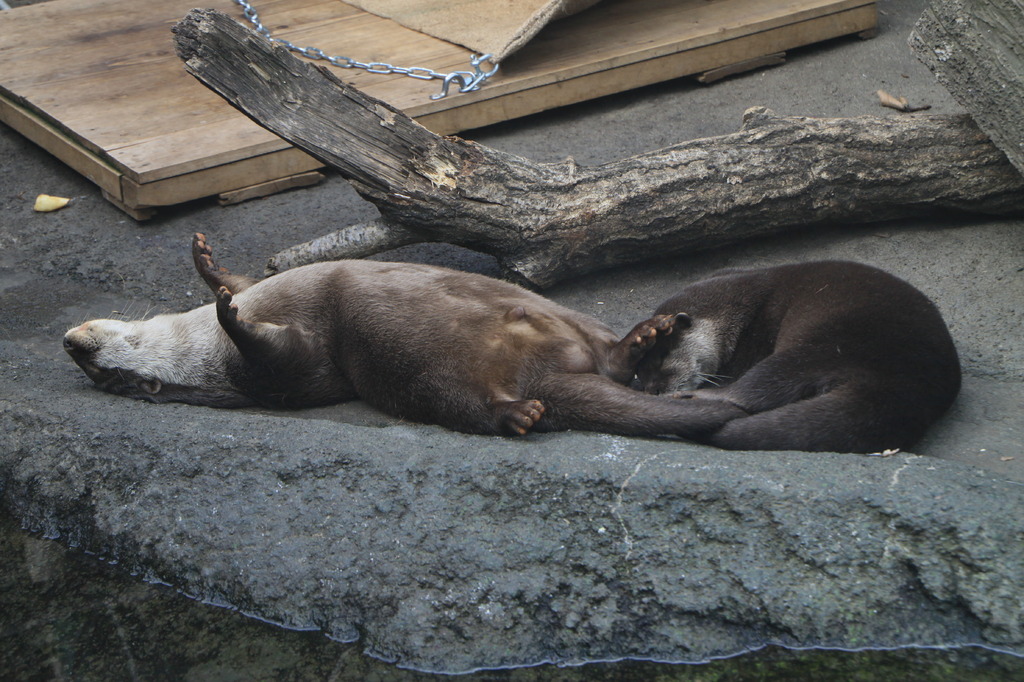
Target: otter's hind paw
519,416
202,254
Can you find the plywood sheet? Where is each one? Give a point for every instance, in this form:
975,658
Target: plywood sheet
97,82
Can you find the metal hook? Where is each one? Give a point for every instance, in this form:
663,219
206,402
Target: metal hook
480,76
470,81
446,83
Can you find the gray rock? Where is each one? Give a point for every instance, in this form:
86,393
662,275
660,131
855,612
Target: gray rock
451,552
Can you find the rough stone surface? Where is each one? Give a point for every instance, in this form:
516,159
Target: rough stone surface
505,555
451,552
975,49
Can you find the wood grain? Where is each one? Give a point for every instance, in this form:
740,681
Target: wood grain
102,73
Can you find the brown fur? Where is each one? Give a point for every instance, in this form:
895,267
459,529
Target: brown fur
420,342
824,356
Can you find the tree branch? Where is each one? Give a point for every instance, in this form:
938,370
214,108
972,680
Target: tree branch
547,222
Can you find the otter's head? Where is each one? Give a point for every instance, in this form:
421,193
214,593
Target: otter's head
113,355
681,361
150,360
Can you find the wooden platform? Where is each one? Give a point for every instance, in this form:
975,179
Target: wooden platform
97,83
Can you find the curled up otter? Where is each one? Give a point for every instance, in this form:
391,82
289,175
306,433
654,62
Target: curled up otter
829,355
420,342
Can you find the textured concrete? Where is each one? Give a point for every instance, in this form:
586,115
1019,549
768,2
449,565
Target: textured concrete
450,552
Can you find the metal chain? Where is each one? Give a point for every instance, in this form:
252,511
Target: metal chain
466,80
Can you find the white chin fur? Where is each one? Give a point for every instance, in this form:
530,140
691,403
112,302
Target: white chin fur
159,348
695,358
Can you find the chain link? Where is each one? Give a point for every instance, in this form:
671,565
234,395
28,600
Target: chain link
466,80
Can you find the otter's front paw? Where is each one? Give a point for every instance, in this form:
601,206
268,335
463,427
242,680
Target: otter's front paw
646,334
226,310
519,416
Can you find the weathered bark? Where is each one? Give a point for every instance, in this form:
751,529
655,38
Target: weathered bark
548,222
974,48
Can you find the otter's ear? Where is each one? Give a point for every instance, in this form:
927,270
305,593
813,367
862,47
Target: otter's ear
150,386
683,321
515,314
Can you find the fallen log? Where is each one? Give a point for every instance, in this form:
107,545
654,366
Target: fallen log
973,47
548,222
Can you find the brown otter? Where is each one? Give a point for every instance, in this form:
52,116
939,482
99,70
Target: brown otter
421,342
824,356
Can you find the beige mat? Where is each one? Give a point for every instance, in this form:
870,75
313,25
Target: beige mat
495,27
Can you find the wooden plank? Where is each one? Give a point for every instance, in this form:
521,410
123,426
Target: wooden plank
93,44
615,35
98,85
109,80
138,212
175,153
217,180
514,105
97,81
69,151
264,189
744,66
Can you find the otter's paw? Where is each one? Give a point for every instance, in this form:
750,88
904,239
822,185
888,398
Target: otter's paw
519,416
225,308
200,249
646,334
202,254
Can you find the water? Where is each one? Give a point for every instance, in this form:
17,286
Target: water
65,615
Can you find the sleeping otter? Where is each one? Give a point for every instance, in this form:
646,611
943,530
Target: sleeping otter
420,342
824,356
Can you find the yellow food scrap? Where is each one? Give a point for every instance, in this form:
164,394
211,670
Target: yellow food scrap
46,203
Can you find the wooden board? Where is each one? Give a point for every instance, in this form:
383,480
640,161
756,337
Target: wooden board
97,83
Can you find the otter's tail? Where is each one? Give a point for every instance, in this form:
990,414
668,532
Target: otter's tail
591,402
839,421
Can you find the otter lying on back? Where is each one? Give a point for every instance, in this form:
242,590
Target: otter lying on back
824,356
420,342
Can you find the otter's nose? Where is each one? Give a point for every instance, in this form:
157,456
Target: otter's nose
78,342
70,345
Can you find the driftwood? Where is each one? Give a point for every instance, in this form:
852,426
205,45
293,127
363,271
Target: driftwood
548,222
974,49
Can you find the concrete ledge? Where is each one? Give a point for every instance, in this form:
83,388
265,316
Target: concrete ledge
449,552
